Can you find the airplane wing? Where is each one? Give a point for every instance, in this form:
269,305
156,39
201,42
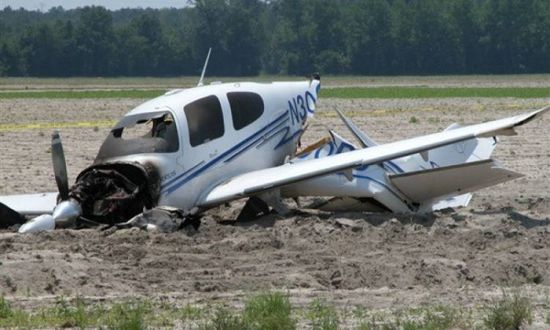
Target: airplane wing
31,204
258,181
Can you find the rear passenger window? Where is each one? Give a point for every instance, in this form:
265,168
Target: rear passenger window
204,119
246,107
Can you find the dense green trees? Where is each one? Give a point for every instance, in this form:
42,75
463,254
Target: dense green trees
249,37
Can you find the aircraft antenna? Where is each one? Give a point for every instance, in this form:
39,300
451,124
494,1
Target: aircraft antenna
204,68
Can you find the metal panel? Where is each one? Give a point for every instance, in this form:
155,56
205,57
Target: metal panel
451,180
31,204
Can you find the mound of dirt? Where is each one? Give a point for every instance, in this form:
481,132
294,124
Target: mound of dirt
311,250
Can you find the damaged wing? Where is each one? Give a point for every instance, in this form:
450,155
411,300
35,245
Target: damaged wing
31,204
258,181
15,208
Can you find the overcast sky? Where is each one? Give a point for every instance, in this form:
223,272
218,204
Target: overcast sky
110,4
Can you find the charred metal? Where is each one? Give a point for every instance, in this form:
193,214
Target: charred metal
114,193
139,134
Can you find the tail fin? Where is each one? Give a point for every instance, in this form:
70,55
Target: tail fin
445,176
359,135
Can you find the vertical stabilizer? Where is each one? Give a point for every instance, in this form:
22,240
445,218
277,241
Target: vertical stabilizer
359,135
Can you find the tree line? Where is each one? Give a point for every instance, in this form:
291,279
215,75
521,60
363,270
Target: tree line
294,37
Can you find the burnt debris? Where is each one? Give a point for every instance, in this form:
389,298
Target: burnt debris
114,193
140,134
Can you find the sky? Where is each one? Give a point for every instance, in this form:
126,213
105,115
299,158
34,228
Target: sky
45,5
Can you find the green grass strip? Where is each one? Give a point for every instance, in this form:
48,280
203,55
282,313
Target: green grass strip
390,92
430,92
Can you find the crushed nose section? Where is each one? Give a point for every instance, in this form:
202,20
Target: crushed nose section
114,193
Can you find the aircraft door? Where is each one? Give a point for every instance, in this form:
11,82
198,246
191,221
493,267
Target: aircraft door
205,123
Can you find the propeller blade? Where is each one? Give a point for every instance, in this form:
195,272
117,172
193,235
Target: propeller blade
60,166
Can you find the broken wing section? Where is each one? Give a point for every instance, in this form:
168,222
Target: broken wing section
14,208
31,204
426,185
258,181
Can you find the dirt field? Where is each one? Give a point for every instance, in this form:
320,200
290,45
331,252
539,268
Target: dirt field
532,80
377,261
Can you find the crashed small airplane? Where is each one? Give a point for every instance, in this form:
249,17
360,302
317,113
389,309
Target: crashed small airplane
193,149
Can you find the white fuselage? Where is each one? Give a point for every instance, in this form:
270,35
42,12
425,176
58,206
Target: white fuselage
197,148
199,165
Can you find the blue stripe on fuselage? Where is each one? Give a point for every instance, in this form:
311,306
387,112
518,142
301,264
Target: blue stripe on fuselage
251,144
180,180
287,138
394,166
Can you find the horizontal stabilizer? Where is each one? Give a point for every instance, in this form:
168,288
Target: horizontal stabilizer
421,186
31,204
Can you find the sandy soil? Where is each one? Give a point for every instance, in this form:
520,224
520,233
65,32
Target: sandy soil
379,261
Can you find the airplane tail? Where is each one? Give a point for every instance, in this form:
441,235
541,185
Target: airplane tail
462,152
449,174
454,154
439,178
449,186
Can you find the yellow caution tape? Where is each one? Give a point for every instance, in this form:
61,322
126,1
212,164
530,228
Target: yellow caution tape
55,125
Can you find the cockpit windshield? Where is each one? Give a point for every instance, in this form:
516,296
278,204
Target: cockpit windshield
144,133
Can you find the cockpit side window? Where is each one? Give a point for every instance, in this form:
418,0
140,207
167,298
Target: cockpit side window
246,107
204,120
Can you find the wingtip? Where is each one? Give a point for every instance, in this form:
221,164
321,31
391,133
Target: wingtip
541,111
530,116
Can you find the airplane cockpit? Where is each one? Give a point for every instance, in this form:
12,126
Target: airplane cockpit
154,132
